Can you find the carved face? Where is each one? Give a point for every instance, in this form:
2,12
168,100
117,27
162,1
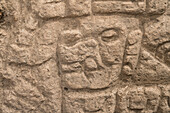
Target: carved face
92,61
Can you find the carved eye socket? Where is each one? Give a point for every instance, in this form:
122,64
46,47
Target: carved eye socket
109,35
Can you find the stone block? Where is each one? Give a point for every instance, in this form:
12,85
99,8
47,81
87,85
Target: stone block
86,103
118,7
50,9
78,7
156,6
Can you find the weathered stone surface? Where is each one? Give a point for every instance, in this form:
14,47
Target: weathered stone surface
103,102
130,6
105,49
115,6
168,8
156,6
154,61
85,56
142,99
49,8
78,7
165,100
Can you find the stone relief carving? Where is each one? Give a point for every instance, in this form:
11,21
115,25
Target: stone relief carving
95,61
85,56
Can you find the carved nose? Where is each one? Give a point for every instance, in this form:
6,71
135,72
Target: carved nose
90,64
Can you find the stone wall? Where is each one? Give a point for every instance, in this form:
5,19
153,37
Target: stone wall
85,56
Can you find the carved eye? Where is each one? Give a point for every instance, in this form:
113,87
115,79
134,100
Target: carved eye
109,35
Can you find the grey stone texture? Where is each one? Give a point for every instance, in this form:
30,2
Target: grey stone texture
85,56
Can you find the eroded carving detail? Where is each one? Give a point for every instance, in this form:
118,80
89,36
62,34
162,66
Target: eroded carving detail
138,99
85,56
93,62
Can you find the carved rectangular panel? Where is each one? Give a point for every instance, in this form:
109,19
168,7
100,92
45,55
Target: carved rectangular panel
121,6
86,103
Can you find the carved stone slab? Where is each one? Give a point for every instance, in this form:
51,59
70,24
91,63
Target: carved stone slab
84,56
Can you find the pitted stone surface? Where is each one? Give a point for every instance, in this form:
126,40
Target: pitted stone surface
85,56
